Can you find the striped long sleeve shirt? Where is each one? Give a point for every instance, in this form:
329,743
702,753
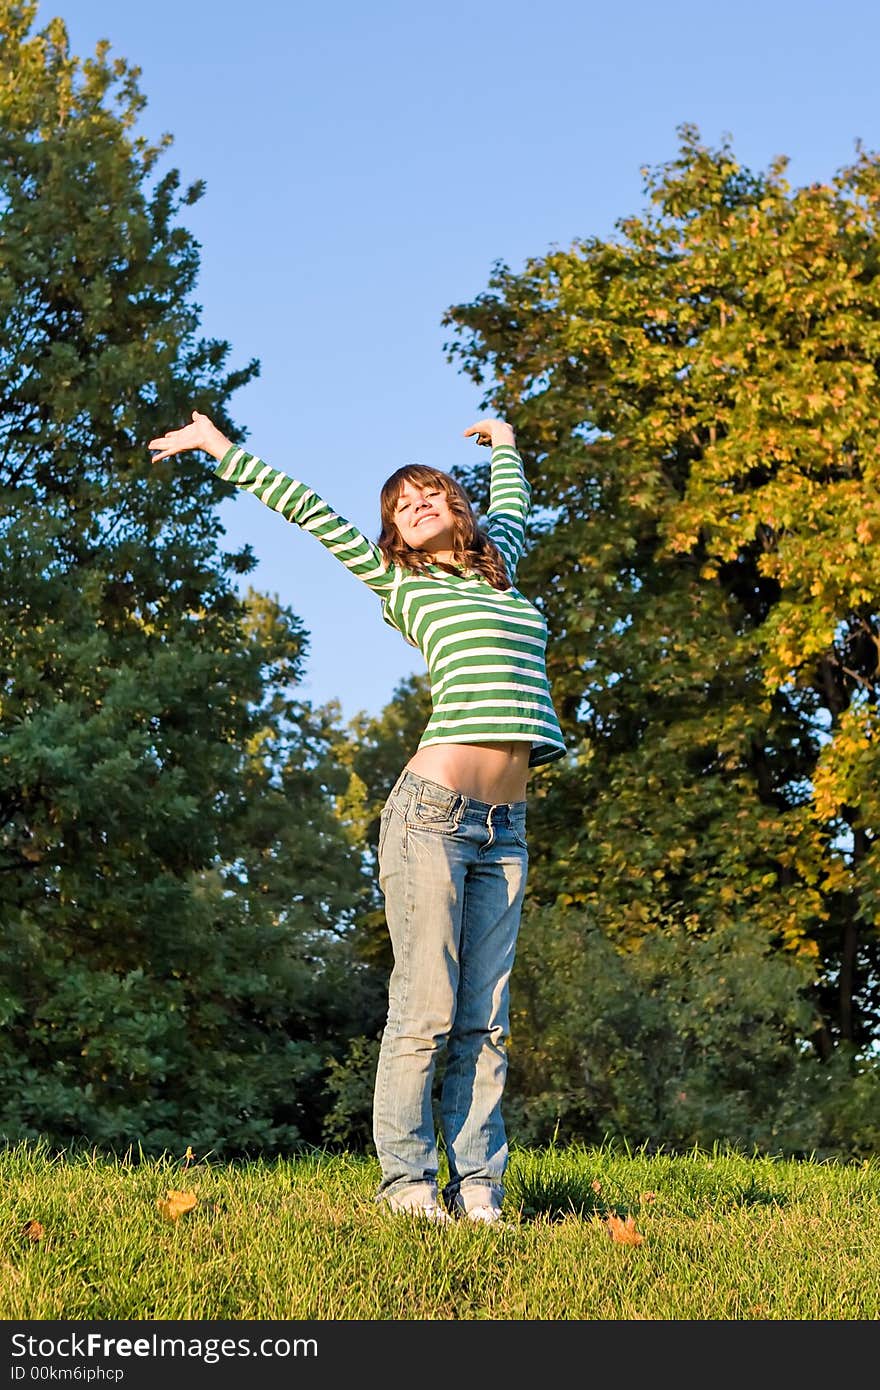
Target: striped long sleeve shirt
485,648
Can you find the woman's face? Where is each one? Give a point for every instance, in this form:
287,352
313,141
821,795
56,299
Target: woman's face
423,517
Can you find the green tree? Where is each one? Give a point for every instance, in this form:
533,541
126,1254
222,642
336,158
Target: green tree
685,1038
697,400
173,948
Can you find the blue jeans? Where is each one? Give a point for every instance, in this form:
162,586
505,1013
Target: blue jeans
453,873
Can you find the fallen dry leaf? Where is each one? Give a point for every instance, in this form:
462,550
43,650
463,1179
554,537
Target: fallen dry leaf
596,1185
623,1232
175,1203
647,1197
33,1230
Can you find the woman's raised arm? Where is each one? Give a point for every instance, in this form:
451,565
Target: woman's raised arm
509,490
293,500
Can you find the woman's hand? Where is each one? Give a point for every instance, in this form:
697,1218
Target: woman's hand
201,434
492,432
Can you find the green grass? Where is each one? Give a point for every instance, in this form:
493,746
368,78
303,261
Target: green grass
725,1236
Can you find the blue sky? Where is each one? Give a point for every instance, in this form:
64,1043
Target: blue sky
366,164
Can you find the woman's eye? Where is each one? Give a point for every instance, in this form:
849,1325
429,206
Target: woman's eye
429,492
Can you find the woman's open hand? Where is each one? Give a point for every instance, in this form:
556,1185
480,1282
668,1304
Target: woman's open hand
492,432
200,434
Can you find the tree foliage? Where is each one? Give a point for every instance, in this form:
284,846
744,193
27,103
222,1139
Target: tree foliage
173,949
697,401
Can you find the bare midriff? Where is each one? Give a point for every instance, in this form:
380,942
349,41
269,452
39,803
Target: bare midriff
492,772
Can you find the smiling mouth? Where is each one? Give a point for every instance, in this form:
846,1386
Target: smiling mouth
428,516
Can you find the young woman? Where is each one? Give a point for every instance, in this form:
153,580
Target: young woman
452,838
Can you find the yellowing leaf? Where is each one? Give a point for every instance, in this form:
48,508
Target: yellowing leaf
175,1203
623,1232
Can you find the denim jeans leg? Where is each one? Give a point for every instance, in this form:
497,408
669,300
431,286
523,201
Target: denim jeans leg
422,877
476,1068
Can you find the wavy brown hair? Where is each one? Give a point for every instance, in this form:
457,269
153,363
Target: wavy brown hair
472,547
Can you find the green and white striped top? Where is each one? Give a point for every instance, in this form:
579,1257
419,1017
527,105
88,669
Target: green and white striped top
484,648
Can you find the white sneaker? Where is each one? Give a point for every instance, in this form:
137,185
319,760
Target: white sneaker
483,1215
